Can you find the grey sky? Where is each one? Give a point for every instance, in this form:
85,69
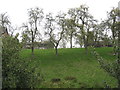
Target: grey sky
17,9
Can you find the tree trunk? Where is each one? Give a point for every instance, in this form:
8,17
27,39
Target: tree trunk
71,41
95,40
81,45
85,45
56,50
113,35
32,50
32,47
86,49
114,45
87,42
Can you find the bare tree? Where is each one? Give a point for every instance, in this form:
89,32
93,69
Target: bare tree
70,30
35,17
84,21
111,24
112,68
55,29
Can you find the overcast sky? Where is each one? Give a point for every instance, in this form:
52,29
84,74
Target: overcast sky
17,9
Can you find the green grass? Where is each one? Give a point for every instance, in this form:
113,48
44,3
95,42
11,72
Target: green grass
71,63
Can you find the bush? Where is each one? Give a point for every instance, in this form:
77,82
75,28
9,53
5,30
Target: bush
15,72
10,54
113,68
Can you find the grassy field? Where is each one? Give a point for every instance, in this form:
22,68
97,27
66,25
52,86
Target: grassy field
72,67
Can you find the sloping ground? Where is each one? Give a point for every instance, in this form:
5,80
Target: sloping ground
71,68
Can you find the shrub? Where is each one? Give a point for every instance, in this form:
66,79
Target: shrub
113,68
10,54
15,72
